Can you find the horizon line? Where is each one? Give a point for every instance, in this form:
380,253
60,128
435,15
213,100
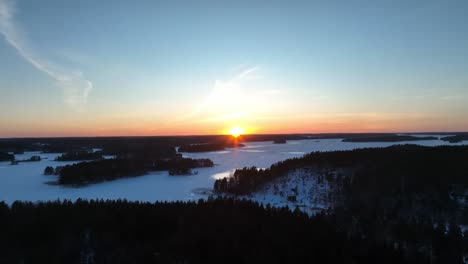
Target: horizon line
247,134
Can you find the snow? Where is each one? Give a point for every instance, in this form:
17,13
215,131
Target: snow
463,228
27,182
428,135
310,193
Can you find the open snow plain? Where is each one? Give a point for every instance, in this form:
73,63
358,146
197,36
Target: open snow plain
27,182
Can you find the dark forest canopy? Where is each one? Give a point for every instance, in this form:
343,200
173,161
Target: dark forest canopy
98,171
399,193
6,156
205,147
89,172
166,144
31,159
279,141
80,155
459,137
375,169
213,231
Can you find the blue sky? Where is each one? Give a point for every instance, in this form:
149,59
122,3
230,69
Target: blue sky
200,67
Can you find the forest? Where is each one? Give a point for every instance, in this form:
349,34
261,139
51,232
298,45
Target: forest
30,159
211,231
400,204
79,155
166,144
6,156
392,170
89,172
215,146
279,141
399,193
458,137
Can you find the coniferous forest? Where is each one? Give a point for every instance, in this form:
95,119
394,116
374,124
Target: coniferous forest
407,196
89,172
213,231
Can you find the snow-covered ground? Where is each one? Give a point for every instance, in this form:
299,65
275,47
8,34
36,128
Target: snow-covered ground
305,188
26,181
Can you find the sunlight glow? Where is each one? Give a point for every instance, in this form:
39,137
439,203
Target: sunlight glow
236,131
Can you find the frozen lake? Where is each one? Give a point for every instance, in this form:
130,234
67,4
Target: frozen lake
26,181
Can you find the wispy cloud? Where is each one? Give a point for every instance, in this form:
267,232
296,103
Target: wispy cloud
230,99
75,88
224,91
246,73
240,99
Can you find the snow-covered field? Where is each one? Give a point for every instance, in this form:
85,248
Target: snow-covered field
26,181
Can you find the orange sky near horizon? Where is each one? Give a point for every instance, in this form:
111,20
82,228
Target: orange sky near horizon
338,123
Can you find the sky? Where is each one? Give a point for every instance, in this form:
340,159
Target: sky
121,68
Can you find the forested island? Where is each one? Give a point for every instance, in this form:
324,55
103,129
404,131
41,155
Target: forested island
206,147
79,155
89,172
6,156
31,159
279,141
10,157
456,138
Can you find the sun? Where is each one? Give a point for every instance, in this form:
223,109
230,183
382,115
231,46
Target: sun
236,131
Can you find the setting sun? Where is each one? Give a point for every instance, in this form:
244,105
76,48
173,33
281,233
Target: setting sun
236,131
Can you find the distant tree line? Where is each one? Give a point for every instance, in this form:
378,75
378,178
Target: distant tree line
205,147
80,155
165,145
31,159
459,137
